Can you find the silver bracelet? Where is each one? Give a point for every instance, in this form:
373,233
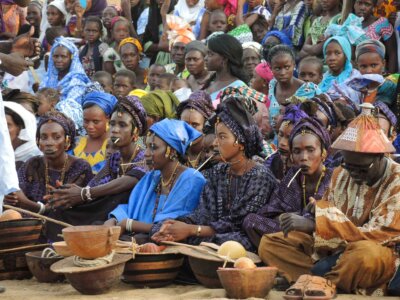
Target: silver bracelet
88,194
128,225
42,208
82,190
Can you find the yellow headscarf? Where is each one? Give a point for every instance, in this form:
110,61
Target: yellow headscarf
131,40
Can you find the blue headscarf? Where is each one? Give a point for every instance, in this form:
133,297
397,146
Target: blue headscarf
328,79
103,100
177,134
282,37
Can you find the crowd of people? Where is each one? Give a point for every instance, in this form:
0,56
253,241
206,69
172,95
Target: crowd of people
271,123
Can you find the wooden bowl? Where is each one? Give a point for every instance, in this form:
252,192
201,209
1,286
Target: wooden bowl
205,271
62,249
40,267
92,280
152,270
92,241
247,283
19,233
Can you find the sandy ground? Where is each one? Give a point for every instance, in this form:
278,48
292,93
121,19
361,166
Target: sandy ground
31,289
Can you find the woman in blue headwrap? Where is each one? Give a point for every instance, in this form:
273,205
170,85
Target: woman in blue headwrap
170,190
337,55
97,109
66,74
273,38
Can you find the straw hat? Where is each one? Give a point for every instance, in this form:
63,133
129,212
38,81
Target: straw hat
364,135
66,266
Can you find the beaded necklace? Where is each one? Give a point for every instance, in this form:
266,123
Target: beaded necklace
46,173
127,165
316,187
162,184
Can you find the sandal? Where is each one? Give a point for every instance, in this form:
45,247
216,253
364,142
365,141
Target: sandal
296,291
319,288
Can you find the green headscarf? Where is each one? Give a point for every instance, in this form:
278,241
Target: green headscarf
161,104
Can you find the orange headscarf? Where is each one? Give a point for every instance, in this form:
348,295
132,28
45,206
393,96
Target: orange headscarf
180,31
133,41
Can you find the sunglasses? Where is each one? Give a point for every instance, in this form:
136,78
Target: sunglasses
357,169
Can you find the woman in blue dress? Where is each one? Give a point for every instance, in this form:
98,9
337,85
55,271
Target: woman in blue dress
170,190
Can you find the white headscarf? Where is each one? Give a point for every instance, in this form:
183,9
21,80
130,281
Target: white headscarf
28,134
189,14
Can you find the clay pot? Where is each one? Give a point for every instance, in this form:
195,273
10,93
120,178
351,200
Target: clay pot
152,270
19,233
92,280
92,241
13,263
247,283
62,249
205,271
40,267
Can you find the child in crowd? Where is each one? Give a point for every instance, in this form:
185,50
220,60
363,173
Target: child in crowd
218,21
155,71
124,82
105,79
48,98
120,30
108,14
91,55
181,89
56,13
164,82
311,69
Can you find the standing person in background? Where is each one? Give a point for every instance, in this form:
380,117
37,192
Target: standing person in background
195,54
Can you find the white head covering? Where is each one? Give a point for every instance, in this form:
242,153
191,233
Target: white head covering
60,5
28,134
189,14
252,45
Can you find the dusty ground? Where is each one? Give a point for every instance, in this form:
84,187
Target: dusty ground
32,290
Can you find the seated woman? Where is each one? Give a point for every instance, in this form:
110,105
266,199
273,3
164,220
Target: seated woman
97,109
22,128
42,174
130,51
337,55
234,189
280,162
225,58
309,143
370,59
196,111
285,87
170,190
195,54
123,169
66,74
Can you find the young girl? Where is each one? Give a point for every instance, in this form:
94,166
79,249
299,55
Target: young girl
48,98
91,55
285,85
108,14
120,30
261,78
97,108
337,55
377,29
315,38
56,13
310,69
130,50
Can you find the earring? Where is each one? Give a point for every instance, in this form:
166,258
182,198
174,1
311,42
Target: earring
236,143
168,152
324,155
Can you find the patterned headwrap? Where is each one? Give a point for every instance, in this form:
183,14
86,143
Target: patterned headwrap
103,100
135,108
371,46
313,126
293,114
161,104
176,133
385,110
264,71
75,69
66,123
249,96
283,38
325,105
199,101
179,31
133,41
235,116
